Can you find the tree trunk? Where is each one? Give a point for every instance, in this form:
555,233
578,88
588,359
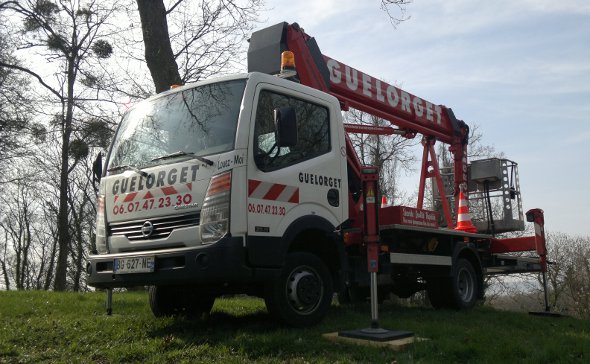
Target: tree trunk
158,50
4,268
5,274
78,257
28,240
63,231
50,266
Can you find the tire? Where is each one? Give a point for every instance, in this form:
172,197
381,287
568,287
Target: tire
301,294
161,301
459,292
175,301
464,286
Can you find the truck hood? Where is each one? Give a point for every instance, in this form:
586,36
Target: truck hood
168,189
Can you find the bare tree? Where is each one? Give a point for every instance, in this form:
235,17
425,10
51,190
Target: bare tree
17,226
83,217
569,275
14,113
65,33
158,49
187,41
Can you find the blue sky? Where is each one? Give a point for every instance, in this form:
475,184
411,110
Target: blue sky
519,69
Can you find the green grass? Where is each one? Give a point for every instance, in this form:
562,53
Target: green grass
70,328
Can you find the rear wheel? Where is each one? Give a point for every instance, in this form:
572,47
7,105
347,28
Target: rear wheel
172,301
302,293
460,291
464,285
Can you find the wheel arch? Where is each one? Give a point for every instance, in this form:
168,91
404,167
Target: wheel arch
316,235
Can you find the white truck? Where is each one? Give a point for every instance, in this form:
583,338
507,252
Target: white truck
249,184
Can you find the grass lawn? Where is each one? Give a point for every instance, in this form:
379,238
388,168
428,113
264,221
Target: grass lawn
72,327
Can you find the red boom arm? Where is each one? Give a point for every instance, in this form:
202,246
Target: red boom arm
353,88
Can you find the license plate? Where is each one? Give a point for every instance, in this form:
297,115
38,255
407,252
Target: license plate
133,265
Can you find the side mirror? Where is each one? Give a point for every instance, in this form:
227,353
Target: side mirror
286,126
97,171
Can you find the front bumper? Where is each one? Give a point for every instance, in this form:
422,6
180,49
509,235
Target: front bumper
221,262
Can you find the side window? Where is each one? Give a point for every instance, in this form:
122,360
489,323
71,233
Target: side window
313,132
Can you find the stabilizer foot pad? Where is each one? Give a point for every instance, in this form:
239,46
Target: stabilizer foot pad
400,343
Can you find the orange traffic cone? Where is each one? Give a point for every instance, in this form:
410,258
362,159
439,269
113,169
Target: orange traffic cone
463,217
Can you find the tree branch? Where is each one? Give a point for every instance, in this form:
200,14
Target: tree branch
31,73
401,5
173,7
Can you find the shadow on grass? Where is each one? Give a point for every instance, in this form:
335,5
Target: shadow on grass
261,322
258,336
223,327
215,327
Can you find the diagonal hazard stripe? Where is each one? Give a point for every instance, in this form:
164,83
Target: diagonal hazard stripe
273,191
169,190
288,193
130,197
253,185
261,190
295,197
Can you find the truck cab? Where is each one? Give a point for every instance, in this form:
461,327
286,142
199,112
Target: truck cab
210,188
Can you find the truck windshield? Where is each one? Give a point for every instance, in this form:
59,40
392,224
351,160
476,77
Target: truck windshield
195,122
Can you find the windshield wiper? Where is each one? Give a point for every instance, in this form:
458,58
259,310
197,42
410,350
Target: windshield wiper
181,153
129,167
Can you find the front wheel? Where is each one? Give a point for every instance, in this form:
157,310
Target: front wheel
301,294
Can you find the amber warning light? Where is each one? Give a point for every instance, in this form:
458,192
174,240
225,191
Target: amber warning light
287,65
287,61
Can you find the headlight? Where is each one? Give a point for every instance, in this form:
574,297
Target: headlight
101,239
215,210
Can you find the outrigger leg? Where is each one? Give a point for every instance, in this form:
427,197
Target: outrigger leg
371,239
536,216
109,302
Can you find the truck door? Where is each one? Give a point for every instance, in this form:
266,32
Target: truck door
287,183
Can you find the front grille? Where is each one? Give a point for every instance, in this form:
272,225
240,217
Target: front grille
163,226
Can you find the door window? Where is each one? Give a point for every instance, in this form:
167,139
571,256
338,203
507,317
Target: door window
313,132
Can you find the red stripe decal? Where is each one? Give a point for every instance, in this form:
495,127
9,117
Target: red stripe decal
252,185
130,197
295,197
189,186
148,195
116,198
169,190
274,192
